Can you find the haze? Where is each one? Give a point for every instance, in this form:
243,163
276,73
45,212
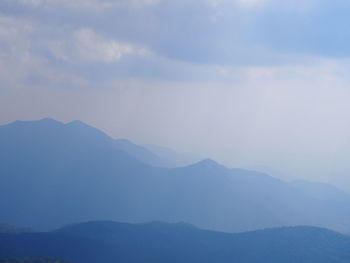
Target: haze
258,84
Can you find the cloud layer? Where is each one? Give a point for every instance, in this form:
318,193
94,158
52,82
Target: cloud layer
249,82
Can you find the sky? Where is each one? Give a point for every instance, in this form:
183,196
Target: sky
261,84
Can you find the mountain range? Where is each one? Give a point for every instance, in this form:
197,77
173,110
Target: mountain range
107,241
155,155
54,174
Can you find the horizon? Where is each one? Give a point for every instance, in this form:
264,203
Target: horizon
195,159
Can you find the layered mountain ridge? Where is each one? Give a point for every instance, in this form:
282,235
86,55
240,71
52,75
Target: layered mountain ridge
107,241
65,173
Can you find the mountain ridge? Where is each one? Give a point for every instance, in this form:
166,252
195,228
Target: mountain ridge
70,173
109,241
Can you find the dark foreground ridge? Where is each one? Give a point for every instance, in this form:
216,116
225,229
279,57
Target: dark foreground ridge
107,241
33,260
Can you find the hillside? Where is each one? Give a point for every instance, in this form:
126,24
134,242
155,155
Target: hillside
64,173
179,243
33,260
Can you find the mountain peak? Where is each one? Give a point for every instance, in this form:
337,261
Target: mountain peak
76,123
86,129
208,164
169,225
45,122
48,120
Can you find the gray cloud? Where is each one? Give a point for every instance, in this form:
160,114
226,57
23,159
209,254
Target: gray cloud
246,82
85,45
193,31
241,32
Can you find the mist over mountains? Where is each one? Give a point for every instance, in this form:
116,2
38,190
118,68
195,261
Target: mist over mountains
155,155
206,131
65,173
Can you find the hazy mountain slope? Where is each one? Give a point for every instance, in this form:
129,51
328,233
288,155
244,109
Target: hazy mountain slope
64,173
321,191
141,153
241,200
175,243
7,228
173,158
58,172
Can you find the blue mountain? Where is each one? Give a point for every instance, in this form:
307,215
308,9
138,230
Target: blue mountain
177,243
322,191
142,154
170,157
53,173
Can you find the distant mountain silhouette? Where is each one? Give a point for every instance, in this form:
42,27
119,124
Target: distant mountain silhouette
142,154
33,260
321,191
54,173
172,158
7,228
178,243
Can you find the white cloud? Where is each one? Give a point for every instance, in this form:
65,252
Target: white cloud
11,28
250,2
20,67
93,5
85,45
247,3
299,6
14,49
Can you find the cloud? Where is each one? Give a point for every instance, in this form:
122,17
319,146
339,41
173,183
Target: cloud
250,2
246,3
11,29
91,5
270,76
21,67
85,45
15,46
39,54
236,32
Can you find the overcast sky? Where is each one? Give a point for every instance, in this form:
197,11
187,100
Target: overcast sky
250,83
